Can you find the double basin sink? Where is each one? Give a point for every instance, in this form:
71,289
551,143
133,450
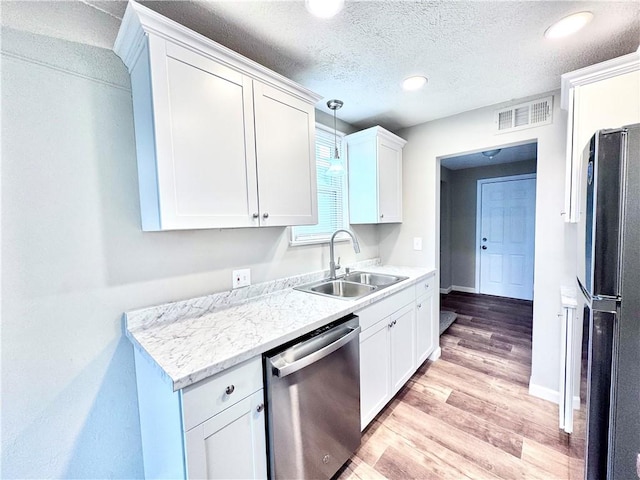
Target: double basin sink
352,286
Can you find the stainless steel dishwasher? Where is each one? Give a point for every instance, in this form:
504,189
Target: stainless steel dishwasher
313,402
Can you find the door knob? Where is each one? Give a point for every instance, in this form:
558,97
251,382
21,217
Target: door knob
484,247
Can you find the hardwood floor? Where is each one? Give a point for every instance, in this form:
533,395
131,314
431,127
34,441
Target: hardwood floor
469,414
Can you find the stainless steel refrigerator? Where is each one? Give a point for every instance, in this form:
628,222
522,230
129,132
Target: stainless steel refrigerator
609,279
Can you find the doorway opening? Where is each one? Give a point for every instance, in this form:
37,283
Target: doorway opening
487,223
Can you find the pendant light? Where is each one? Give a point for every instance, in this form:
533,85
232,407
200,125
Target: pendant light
336,168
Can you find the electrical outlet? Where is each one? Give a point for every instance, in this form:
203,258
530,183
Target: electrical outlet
417,243
241,278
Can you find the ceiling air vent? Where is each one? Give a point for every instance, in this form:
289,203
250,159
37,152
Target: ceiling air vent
525,115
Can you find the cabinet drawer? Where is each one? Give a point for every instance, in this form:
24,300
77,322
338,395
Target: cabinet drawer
209,397
425,286
371,314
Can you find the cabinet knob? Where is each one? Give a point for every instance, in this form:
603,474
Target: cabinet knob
230,389
255,215
260,408
265,215
382,215
484,247
419,305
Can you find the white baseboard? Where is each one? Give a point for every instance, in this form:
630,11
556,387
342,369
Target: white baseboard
543,392
436,354
446,290
458,288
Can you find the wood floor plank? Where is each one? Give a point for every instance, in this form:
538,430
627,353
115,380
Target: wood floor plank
464,444
447,464
486,364
396,463
547,459
492,434
494,390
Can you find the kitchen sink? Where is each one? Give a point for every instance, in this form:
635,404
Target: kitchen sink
352,286
377,279
342,288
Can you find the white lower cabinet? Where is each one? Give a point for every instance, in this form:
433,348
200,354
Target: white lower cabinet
398,334
212,429
426,327
427,324
387,351
231,444
375,371
402,347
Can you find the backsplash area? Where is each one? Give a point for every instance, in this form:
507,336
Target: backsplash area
196,307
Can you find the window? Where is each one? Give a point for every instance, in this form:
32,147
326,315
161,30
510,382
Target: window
332,193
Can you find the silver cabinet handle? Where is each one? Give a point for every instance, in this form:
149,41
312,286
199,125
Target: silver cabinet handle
260,408
255,215
265,215
230,389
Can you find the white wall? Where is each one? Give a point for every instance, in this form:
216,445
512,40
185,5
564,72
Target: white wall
445,230
74,258
472,132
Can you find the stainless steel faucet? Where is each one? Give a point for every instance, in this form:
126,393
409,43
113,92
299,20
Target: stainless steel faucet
332,263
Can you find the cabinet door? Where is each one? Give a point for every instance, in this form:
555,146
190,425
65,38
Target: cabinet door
389,182
203,114
425,327
375,375
403,347
285,149
232,444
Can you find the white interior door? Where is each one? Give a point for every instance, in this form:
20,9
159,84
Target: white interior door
506,236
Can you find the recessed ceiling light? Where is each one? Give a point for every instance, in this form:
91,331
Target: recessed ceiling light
568,25
324,8
414,83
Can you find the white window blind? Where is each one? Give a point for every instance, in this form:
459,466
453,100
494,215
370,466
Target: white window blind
332,194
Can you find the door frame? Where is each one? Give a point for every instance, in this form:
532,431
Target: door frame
480,183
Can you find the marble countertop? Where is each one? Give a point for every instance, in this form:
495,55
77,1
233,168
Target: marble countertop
194,339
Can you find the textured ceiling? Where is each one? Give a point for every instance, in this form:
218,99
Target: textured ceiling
518,153
475,53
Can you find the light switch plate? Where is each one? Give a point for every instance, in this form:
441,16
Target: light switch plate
417,243
241,278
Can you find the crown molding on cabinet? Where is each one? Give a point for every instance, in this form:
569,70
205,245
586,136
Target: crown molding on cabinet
140,21
595,73
380,133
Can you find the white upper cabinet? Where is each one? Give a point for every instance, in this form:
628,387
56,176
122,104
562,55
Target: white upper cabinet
375,176
605,95
285,146
221,141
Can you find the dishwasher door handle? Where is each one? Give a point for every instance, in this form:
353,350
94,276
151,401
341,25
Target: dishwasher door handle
316,355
